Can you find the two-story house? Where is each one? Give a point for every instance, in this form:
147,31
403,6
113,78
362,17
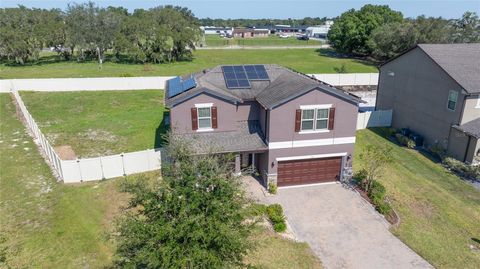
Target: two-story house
434,90
292,128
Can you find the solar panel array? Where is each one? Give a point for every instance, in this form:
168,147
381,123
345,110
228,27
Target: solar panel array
239,76
176,85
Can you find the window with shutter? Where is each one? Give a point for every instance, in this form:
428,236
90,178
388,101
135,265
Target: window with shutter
194,118
314,118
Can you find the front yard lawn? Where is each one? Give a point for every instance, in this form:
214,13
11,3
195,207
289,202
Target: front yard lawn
440,214
45,224
97,123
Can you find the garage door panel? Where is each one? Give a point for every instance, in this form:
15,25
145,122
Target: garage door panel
309,171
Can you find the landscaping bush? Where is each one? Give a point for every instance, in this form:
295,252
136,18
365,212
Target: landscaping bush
360,176
377,194
256,210
272,188
461,168
405,141
275,214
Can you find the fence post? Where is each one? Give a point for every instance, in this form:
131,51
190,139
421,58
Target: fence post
80,170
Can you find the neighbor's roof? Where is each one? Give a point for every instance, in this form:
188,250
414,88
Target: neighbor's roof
459,61
471,128
247,137
283,86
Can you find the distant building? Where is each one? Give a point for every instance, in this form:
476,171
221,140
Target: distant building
212,30
319,31
289,30
250,32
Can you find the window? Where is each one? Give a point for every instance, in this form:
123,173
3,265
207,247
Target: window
314,119
452,100
204,118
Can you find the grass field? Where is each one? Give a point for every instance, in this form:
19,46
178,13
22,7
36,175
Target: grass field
44,224
440,214
101,122
272,40
304,60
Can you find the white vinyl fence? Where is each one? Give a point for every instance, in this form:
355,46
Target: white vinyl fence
378,118
83,84
353,79
142,83
87,169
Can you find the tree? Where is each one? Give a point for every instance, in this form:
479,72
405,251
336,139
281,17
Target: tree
351,31
374,160
193,218
467,28
91,29
391,39
17,34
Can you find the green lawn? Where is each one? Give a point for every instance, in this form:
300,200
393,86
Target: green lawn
303,60
272,40
101,122
440,214
44,224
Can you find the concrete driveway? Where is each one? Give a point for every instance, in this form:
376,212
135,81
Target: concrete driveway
341,228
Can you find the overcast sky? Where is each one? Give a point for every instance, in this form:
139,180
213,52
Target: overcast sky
277,8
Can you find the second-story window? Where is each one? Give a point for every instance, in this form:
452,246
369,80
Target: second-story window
452,100
314,119
204,118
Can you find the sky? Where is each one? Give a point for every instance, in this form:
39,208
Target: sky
280,9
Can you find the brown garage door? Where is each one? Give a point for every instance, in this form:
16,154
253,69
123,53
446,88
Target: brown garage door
309,171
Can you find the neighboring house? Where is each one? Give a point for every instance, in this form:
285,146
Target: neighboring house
434,90
292,128
250,32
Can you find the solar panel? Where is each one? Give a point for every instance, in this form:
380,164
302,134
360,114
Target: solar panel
189,84
256,72
235,77
176,86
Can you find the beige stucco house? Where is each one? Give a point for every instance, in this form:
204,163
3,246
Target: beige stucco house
433,89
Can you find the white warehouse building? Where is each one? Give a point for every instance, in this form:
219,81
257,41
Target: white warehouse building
319,31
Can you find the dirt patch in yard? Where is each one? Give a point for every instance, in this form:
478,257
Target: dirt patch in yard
66,152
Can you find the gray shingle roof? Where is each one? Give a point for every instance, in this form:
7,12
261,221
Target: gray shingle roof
284,85
471,128
460,61
247,137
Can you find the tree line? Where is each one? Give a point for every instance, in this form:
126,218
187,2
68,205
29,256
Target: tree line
382,33
307,21
86,31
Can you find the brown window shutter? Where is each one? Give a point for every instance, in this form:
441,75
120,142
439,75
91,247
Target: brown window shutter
214,117
194,118
331,118
298,120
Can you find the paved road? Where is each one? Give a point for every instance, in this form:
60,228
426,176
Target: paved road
342,229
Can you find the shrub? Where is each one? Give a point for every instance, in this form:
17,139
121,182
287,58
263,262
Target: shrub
411,144
360,176
389,132
384,208
405,141
125,75
377,194
256,210
438,151
461,168
272,188
275,214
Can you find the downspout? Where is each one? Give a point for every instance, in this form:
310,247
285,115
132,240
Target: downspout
378,87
